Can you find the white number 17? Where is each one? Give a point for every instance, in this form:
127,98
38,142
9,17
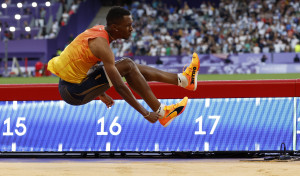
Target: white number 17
200,121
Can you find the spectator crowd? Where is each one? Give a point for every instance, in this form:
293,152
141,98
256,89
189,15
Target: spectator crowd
231,26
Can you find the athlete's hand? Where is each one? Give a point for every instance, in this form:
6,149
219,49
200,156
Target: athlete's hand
152,117
106,99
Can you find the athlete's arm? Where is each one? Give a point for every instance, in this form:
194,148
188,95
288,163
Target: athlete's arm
101,49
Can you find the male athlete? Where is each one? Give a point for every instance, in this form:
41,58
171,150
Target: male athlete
82,78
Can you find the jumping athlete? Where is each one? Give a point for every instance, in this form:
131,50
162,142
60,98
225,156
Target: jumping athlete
82,78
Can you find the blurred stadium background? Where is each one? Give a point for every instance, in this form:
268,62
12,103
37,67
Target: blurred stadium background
243,39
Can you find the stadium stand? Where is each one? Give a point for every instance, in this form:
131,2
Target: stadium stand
247,26
235,35
43,39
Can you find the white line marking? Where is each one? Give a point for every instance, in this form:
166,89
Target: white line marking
206,146
60,147
107,146
61,104
257,101
257,147
156,147
207,102
13,147
15,105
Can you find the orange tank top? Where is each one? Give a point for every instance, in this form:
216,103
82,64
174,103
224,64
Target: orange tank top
74,62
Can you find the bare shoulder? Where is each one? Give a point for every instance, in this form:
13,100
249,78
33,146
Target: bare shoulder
100,48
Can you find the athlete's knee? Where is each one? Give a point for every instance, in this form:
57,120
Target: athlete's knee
126,65
128,61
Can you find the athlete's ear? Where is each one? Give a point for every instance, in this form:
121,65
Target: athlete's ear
113,27
116,28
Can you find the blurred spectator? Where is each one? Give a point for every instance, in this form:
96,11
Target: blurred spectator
264,58
74,7
51,35
228,60
61,22
65,17
28,36
25,24
58,52
55,27
40,21
8,2
115,48
8,35
27,11
158,61
71,38
41,69
297,48
128,53
256,49
6,26
296,59
25,36
64,5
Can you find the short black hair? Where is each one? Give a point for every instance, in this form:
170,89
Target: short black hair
115,14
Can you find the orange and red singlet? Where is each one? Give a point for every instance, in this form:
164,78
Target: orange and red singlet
76,59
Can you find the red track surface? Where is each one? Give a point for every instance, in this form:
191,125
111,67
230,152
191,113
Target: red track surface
206,89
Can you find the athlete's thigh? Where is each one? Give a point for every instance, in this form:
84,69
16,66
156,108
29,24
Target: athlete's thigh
92,86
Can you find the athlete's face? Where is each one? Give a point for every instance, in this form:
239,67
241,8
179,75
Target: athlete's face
124,28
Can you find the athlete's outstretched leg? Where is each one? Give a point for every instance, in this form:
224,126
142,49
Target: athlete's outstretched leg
187,79
153,74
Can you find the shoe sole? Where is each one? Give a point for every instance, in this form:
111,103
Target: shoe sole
196,77
168,123
196,80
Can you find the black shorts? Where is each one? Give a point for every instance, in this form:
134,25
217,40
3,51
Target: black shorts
91,87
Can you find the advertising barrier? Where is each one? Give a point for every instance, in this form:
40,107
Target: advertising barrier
236,121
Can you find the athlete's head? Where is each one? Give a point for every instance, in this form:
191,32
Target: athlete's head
119,22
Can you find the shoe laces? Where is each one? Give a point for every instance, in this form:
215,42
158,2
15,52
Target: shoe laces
187,70
172,106
168,108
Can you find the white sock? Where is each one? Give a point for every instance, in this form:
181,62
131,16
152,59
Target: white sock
182,81
161,110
